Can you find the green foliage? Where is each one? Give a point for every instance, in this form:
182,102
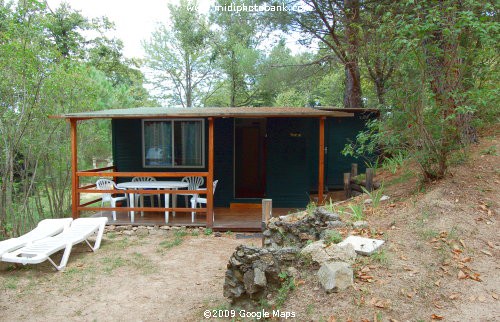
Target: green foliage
357,212
310,208
375,195
208,231
394,162
332,237
287,286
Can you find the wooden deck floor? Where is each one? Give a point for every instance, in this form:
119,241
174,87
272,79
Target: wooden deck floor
225,218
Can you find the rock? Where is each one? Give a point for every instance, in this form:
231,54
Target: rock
128,232
292,271
165,227
336,276
299,228
134,228
150,227
253,273
120,228
217,234
141,232
384,198
320,253
259,277
361,224
368,201
111,227
335,224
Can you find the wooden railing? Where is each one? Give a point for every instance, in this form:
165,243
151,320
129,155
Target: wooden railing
112,174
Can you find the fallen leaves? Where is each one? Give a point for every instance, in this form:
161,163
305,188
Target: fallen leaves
462,275
380,303
437,317
454,296
486,252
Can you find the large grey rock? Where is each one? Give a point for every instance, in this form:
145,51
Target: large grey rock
142,231
336,276
321,253
361,224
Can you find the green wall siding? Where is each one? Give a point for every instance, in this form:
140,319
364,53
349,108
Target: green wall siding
292,156
338,132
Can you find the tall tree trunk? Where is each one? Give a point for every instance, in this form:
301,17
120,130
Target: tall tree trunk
352,94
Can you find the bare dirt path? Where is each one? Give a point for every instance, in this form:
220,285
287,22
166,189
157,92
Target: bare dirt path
128,279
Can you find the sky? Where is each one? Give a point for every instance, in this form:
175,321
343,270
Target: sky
134,20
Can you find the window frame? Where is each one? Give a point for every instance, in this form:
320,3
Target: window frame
172,121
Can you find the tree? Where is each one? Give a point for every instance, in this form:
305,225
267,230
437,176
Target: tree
180,57
337,25
238,58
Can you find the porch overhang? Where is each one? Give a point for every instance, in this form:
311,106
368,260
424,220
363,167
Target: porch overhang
216,112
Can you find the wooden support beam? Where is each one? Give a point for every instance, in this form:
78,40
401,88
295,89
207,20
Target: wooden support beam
347,185
354,170
210,177
369,179
321,165
75,195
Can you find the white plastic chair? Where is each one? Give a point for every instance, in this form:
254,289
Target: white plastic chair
194,183
141,196
199,201
45,228
79,231
106,184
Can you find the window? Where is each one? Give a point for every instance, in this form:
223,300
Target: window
173,143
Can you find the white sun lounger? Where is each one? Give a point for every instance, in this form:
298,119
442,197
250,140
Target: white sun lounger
45,228
80,230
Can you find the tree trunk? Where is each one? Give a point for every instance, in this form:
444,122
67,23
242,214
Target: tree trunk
352,94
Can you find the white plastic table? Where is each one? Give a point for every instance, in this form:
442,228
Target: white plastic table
159,185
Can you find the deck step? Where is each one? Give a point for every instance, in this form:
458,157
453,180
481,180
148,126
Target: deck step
242,205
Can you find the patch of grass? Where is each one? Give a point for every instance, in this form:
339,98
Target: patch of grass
229,233
492,150
332,237
112,263
195,232
404,177
393,163
171,242
310,309
180,232
10,283
375,195
429,234
357,212
208,231
310,208
287,286
380,257
111,235
142,263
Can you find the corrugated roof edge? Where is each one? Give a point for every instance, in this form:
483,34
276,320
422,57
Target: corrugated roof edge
156,112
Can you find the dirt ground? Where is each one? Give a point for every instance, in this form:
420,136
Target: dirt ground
440,262
127,279
441,257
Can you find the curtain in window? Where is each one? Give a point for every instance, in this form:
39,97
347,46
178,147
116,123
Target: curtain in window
158,143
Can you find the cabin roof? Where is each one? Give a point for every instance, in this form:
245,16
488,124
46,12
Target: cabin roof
159,112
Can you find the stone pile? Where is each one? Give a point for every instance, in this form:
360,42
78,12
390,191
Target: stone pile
300,228
253,272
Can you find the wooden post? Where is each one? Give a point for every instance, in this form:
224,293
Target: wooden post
369,179
347,185
267,213
210,177
75,196
354,170
321,164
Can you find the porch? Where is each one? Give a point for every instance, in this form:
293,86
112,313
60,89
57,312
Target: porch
240,219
